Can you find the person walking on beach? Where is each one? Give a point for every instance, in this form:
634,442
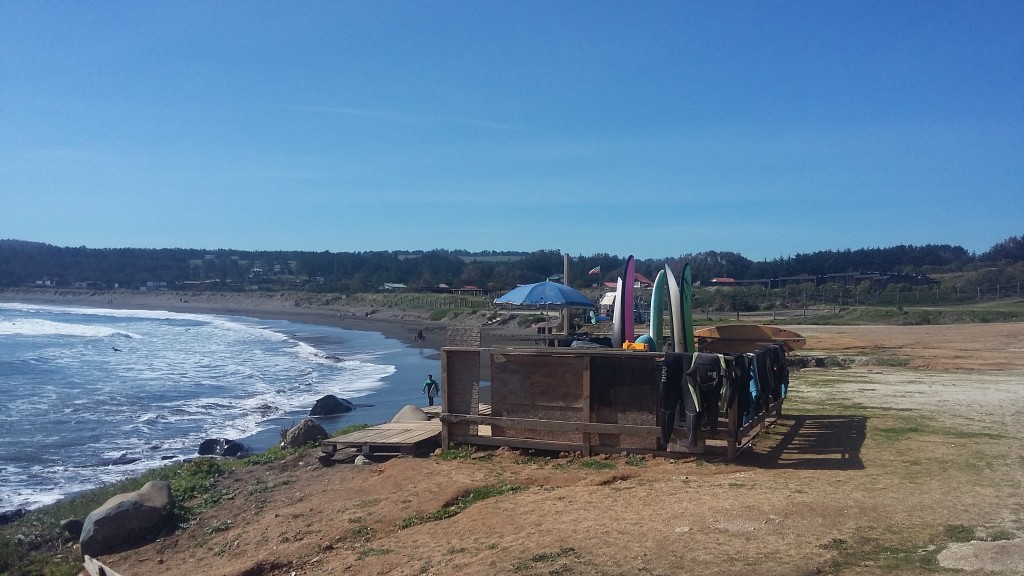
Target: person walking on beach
431,388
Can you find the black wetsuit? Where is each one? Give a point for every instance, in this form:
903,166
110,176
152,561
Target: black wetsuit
673,376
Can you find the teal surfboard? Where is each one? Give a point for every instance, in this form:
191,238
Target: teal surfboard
687,297
657,331
675,309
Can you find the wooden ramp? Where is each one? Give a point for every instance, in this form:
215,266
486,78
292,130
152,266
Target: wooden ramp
397,438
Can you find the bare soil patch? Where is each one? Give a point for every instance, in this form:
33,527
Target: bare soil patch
874,469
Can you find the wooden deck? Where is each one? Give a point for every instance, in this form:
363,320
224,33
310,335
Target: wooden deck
399,438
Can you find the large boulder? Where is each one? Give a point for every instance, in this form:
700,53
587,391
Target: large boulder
73,527
8,516
127,519
221,447
306,432
330,405
410,413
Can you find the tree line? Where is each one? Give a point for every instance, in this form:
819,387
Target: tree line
32,263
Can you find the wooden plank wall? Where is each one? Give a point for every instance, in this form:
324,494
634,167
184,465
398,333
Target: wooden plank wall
625,389
460,388
537,386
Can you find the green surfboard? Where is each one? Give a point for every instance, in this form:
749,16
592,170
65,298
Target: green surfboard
657,327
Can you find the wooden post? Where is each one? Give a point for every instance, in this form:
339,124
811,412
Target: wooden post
445,387
587,412
733,428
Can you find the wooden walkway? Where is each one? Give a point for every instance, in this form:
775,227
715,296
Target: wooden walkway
398,438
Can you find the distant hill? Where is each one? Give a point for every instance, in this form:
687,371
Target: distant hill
25,263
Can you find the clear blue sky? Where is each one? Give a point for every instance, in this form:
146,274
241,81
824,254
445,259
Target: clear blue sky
646,128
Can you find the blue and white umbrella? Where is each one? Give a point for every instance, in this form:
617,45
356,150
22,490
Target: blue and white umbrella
546,294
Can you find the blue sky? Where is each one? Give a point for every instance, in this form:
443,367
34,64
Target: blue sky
646,128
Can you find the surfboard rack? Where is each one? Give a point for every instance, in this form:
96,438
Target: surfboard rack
590,401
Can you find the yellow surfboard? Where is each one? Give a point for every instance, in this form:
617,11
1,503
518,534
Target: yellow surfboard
741,338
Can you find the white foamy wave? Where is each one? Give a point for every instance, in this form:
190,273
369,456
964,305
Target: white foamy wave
38,327
173,381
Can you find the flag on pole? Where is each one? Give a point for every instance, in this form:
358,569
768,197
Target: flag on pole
594,270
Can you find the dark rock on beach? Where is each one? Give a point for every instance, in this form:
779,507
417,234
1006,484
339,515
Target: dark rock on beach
127,519
304,433
221,447
330,405
8,516
122,461
73,527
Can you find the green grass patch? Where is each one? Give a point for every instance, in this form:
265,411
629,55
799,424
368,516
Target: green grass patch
636,460
532,460
545,558
892,361
350,429
576,461
959,533
969,435
371,551
1000,535
885,558
218,527
439,314
461,503
368,502
263,487
897,433
911,315
592,464
276,454
457,452
834,544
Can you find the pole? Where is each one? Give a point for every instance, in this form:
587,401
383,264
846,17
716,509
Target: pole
565,280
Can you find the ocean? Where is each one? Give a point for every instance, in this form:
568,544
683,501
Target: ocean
92,396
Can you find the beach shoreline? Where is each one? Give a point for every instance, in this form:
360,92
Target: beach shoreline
401,325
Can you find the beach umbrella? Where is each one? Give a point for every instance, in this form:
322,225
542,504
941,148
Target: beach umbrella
545,294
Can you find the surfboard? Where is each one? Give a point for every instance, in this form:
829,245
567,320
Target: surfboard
657,321
741,338
687,297
628,283
617,326
676,309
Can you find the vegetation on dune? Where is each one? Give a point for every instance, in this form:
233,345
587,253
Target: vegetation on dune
36,543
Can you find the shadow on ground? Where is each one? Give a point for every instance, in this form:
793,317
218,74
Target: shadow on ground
815,442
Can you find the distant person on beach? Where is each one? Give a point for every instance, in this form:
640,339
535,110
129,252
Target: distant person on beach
431,388
419,336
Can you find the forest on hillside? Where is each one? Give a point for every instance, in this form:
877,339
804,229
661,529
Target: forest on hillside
32,263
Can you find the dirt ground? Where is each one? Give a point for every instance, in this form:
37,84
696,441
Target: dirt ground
907,462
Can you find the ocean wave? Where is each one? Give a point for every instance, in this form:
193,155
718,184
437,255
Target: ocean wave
93,416
40,327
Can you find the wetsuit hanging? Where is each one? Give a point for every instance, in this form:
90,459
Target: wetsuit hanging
672,385
704,379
